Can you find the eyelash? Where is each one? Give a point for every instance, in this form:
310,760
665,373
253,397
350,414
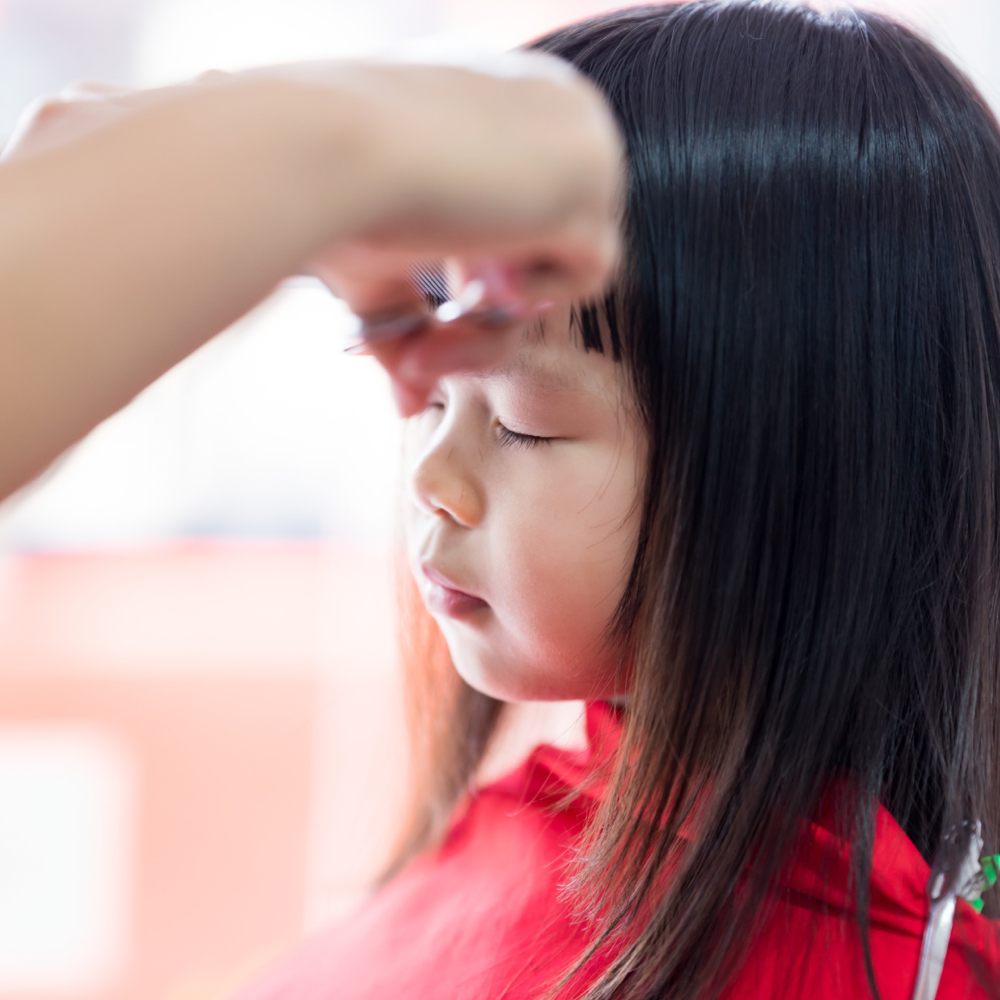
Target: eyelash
507,437
512,439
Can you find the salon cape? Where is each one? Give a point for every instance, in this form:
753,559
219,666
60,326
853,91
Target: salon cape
483,918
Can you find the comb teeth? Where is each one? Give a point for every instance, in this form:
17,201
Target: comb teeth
431,281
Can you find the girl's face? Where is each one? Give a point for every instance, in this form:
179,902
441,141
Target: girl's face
523,488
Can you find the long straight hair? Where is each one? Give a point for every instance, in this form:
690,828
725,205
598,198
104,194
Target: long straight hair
810,317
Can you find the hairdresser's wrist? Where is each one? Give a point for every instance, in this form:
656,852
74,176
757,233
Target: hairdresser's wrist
309,148
440,159
353,168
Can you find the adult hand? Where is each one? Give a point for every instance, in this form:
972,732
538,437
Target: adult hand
135,225
73,112
509,165
380,287
512,170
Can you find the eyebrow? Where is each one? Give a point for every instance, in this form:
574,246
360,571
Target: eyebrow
554,378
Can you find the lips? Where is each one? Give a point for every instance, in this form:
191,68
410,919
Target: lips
443,597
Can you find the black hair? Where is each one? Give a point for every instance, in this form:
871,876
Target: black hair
809,312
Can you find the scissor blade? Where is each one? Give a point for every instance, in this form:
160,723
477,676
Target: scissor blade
937,934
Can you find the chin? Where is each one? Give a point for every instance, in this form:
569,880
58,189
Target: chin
505,683
497,684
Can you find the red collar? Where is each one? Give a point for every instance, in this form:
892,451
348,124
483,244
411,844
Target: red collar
821,868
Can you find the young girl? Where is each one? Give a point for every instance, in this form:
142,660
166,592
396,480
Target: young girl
747,507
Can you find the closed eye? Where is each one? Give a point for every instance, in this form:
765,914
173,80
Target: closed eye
512,439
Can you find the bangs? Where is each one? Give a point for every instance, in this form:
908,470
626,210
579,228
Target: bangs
597,324
594,325
595,321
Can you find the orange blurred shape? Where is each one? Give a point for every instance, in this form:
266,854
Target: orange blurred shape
253,689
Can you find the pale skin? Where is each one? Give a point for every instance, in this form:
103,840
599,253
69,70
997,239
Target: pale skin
523,485
133,227
136,225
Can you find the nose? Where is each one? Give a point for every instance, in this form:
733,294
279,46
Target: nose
442,482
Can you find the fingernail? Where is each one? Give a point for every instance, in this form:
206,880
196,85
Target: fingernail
472,295
493,283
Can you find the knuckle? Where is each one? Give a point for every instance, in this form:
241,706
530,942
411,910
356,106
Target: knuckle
212,76
46,109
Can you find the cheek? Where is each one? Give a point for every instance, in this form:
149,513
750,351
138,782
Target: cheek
563,553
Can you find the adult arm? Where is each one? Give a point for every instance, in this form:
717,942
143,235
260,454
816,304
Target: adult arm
129,240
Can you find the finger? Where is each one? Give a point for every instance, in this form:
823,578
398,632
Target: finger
409,392
210,76
76,109
416,363
37,116
579,268
565,270
89,90
373,283
410,399
374,300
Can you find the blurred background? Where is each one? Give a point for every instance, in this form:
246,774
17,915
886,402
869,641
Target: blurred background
201,752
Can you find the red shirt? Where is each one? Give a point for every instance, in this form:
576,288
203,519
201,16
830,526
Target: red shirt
482,917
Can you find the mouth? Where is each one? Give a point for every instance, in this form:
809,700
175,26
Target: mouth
443,597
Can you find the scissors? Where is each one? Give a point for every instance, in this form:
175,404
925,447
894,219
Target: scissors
956,874
440,305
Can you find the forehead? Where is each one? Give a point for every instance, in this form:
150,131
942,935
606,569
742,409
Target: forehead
551,358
